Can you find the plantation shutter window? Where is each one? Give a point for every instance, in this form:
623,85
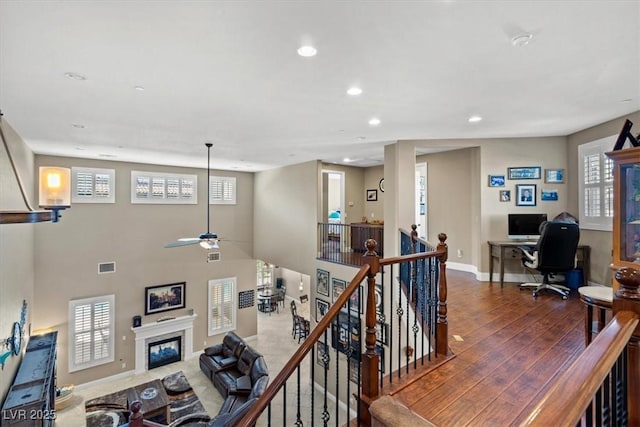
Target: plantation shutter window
596,184
222,190
92,185
222,313
91,323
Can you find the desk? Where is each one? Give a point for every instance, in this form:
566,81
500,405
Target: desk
504,250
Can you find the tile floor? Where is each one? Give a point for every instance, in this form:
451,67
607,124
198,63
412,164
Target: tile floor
274,341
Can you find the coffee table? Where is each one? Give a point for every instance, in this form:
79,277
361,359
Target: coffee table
153,397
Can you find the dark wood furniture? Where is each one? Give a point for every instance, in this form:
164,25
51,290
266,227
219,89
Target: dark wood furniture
31,398
361,231
510,249
626,208
595,298
154,403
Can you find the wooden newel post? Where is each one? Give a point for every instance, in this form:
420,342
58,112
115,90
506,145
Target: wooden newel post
136,419
370,391
627,298
442,326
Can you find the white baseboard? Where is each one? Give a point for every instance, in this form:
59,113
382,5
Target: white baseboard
99,381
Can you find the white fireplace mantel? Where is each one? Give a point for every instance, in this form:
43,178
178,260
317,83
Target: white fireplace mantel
150,330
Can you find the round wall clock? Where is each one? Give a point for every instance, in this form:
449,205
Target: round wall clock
381,185
16,338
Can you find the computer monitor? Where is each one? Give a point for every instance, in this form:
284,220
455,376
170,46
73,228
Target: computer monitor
525,226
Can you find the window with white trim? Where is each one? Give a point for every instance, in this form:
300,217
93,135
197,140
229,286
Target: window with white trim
595,172
93,185
91,332
264,274
222,190
222,305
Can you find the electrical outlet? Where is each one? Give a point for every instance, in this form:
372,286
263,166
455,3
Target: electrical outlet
124,365
204,343
124,338
459,253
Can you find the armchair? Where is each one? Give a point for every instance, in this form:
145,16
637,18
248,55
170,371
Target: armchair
555,252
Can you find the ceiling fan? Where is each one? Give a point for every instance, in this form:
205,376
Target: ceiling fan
207,240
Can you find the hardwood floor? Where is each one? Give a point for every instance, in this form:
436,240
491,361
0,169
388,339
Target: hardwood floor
512,346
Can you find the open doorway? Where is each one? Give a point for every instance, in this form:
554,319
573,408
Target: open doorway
421,200
333,209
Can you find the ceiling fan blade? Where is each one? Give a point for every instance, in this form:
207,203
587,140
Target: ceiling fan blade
179,243
189,239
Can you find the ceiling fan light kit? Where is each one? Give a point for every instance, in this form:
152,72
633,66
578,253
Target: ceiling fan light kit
206,240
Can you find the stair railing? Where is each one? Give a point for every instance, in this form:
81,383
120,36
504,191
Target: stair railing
363,369
602,386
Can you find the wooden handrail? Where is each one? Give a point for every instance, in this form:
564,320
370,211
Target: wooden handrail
569,396
315,335
564,404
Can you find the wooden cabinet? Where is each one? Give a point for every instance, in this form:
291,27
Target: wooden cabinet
30,401
626,207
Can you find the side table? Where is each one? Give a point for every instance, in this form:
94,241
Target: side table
599,298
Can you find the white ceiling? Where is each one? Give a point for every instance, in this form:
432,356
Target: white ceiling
228,72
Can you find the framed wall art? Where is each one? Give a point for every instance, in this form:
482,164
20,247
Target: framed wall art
345,334
554,176
496,180
526,172
372,195
338,287
526,194
549,195
322,282
505,195
164,297
321,309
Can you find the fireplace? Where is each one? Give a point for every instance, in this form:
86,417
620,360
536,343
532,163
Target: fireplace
163,352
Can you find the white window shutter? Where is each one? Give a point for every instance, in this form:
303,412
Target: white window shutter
91,323
222,190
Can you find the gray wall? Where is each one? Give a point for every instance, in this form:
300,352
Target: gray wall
133,235
16,247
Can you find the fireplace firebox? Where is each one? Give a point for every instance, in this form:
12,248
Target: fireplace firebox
164,352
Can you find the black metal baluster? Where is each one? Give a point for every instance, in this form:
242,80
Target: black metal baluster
298,422
325,361
313,380
284,405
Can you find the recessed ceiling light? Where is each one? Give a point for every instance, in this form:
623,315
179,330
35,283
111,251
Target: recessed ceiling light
347,160
354,91
78,125
522,39
139,88
108,156
362,138
374,121
627,100
475,119
75,76
307,51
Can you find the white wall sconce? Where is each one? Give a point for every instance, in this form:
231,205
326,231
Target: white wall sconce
55,189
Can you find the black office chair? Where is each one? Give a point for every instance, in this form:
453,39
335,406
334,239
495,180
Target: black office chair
555,252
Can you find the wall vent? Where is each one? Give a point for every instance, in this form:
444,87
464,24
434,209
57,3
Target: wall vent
106,267
213,256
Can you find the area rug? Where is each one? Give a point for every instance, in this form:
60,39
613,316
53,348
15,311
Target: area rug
186,409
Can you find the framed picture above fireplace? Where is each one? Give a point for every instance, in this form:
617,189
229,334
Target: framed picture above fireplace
164,297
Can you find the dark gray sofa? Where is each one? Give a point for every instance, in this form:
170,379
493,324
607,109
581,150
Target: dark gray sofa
239,373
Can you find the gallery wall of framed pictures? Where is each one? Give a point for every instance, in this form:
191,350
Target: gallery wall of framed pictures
528,190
